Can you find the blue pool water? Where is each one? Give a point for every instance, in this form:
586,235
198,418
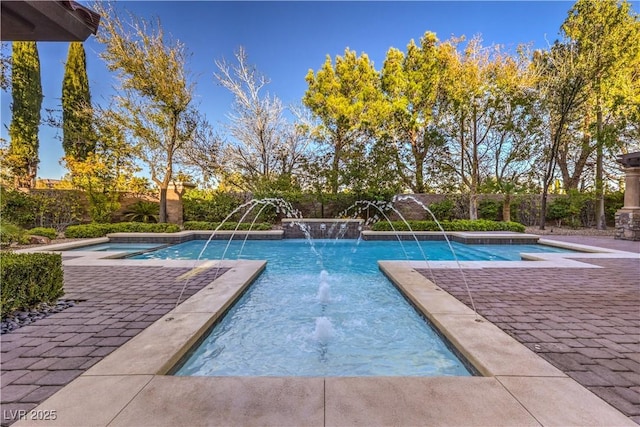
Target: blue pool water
324,309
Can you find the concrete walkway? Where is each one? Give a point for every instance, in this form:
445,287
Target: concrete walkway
586,322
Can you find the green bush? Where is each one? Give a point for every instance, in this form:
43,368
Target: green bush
17,208
489,209
204,225
51,233
202,205
42,208
613,202
29,279
99,230
11,233
143,211
455,225
442,210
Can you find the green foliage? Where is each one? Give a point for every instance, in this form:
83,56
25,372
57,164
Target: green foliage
613,202
156,92
443,211
575,209
29,279
143,211
51,233
205,225
17,207
26,104
559,209
212,206
41,208
411,83
489,209
11,233
346,99
78,137
455,225
100,230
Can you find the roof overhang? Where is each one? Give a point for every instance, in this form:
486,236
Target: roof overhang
47,21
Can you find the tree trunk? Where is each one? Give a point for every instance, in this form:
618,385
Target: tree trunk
506,208
419,158
162,217
473,205
335,170
600,218
475,174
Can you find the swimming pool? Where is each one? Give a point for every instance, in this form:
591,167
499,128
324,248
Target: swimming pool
322,308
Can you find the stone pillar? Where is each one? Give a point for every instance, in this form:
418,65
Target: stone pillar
628,218
175,212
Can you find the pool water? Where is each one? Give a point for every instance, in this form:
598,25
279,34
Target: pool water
325,309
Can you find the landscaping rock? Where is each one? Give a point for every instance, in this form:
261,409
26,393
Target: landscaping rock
39,240
21,318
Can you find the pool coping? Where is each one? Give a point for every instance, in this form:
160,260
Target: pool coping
129,387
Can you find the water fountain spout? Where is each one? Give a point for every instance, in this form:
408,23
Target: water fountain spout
324,290
464,278
324,330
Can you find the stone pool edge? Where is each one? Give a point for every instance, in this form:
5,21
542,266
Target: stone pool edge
129,387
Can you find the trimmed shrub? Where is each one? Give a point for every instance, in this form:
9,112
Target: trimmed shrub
51,233
100,230
205,225
29,280
455,225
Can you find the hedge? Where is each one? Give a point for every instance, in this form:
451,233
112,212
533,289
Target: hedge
455,225
99,230
43,231
29,280
205,225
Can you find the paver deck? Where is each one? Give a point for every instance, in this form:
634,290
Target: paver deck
586,322
115,304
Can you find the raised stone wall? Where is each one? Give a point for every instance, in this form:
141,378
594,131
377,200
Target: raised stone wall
628,218
322,228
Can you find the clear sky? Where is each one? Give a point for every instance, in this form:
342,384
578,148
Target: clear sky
286,39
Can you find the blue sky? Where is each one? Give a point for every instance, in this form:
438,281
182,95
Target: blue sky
286,39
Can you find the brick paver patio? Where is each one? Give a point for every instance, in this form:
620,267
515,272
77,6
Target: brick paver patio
115,304
586,322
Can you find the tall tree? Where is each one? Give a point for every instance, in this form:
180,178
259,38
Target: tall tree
155,93
607,36
264,149
25,122
562,92
515,137
472,112
78,136
412,85
345,98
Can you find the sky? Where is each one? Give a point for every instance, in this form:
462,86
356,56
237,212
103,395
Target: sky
284,40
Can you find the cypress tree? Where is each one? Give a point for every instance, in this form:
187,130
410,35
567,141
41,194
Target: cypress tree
25,121
78,138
